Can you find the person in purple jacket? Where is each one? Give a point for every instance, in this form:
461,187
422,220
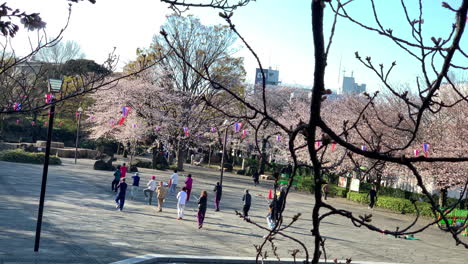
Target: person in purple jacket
188,185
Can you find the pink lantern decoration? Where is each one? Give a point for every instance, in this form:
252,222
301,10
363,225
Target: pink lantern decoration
134,125
426,154
213,129
333,146
237,127
363,148
17,121
77,114
33,123
48,98
157,128
318,143
92,117
16,106
112,122
278,138
244,133
416,152
46,123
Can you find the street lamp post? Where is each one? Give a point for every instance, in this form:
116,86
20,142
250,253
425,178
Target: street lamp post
54,86
226,123
78,114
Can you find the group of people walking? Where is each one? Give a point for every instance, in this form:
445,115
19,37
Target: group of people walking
154,187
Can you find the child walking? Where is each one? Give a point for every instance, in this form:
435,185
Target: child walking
116,180
181,199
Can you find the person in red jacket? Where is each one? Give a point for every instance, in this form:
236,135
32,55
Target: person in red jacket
123,171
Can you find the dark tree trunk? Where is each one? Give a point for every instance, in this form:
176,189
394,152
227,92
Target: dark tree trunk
443,197
263,158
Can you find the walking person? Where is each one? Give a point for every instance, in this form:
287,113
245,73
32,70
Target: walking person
120,198
247,199
372,197
181,199
161,192
174,180
151,187
202,201
116,180
255,177
123,171
136,183
325,190
188,185
218,189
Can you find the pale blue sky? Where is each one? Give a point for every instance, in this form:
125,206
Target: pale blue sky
279,31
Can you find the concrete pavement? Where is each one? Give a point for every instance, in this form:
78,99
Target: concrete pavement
81,224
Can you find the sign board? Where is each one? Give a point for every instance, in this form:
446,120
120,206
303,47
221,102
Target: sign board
354,185
55,85
343,182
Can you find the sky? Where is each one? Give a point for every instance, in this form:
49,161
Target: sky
279,31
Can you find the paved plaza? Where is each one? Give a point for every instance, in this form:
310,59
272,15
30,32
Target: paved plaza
81,224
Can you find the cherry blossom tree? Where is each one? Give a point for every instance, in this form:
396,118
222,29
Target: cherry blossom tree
389,137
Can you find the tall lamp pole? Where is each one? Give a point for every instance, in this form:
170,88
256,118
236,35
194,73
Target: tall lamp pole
226,123
54,86
78,114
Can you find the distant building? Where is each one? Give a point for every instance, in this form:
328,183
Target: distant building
271,77
351,87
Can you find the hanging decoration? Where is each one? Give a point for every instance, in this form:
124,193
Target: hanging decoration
77,115
333,146
186,131
125,110
318,143
244,133
46,123
157,128
416,152
16,106
426,150
121,121
134,125
33,123
112,122
213,130
278,138
237,127
48,98
17,121
363,148
92,117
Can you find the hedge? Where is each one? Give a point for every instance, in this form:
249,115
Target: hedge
19,155
401,205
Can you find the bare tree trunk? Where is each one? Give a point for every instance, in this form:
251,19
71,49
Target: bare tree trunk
181,153
443,197
263,157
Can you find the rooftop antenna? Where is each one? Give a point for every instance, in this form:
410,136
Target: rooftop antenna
339,70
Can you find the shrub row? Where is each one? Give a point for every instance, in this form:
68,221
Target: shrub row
19,155
401,205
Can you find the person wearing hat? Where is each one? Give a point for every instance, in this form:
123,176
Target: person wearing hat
136,183
151,187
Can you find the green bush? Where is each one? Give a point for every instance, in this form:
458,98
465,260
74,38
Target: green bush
401,205
19,155
305,184
336,191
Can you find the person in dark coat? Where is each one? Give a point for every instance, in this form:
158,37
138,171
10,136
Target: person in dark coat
255,177
116,180
372,197
120,198
202,208
247,199
218,189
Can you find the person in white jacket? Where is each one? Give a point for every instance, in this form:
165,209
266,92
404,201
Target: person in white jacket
181,199
150,189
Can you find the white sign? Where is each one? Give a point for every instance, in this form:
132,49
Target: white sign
354,185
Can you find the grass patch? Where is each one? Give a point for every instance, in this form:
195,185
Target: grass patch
21,156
